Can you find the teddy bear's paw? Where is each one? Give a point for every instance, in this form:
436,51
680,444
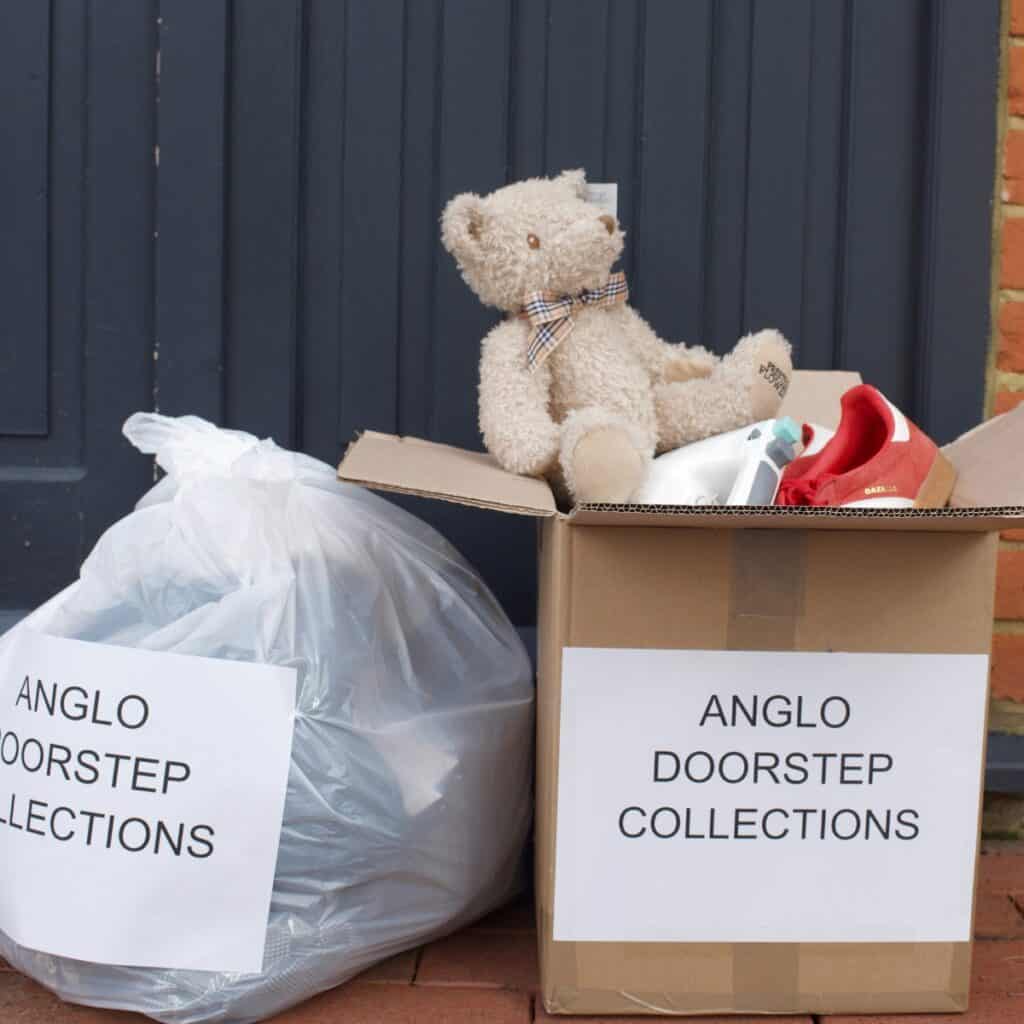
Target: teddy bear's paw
689,363
765,360
606,466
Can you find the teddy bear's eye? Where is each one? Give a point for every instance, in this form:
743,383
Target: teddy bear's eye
532,241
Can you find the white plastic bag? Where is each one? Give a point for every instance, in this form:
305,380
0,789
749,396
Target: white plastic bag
408,796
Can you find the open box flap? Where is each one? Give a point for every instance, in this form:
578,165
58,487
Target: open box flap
431,470
989,463
813,396
989,494
407,464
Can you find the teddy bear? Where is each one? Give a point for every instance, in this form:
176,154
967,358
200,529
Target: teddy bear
575,386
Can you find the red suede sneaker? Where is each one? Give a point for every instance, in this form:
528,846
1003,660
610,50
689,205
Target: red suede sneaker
877,459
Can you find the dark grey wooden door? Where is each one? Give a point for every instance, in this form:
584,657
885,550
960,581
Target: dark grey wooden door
77,137
230,209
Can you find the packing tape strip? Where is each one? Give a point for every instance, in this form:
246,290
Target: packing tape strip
959,985
861,978
766,590
677,977
766,976
709,978
904,976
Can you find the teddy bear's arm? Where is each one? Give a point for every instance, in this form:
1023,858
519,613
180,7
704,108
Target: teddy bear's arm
666,361
514,419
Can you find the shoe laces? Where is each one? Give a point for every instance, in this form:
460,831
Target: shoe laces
804,490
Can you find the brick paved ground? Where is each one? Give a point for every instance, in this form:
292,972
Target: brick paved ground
488,975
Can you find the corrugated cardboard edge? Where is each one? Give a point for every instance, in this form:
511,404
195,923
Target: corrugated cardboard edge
768,517
960,981
554,565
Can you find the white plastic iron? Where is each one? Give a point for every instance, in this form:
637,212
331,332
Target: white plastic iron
722,470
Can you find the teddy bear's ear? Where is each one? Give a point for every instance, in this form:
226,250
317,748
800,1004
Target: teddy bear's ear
576,180
462,222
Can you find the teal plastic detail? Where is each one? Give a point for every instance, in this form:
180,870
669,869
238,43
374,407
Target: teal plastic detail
785,429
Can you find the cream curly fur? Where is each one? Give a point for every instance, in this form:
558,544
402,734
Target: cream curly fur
612,371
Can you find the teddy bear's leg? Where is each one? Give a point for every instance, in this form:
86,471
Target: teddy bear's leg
604,456
746,386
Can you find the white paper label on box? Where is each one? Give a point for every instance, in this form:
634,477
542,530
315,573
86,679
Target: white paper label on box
737,796
141,800
604,194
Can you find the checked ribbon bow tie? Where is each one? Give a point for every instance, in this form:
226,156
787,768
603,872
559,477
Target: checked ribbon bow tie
552,317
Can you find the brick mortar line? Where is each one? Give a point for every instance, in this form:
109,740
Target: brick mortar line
1008,627
1009,380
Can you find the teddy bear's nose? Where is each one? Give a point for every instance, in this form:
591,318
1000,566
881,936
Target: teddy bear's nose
608,221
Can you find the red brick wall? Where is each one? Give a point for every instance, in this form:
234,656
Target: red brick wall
1007,382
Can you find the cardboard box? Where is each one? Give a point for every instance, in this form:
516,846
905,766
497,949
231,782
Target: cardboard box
867,633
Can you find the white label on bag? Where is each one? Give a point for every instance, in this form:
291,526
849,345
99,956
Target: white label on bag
141,800
737,796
